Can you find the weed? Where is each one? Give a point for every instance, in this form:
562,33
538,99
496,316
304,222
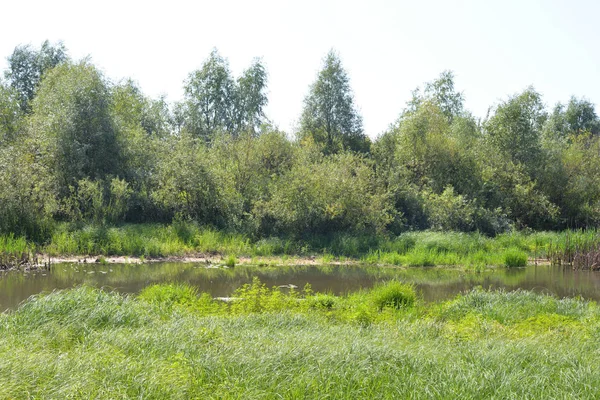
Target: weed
393,294
515,258
231,261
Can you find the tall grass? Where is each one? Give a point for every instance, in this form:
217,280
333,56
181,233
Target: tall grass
470,250
577,249
16,252
88,343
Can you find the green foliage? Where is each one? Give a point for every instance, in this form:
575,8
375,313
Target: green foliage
322,301
15,252
251,99
98,201
28,193
185,185
27,67
209,94
10,114
71,124
577,118
449,212
515,127
328,194
86,343
329,116
231,261
75,147
515,258
215,103
441,92
169,295
393,294
256,297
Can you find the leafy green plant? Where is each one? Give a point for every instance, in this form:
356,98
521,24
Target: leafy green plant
231,261
393,294
169,294
514,258
322,301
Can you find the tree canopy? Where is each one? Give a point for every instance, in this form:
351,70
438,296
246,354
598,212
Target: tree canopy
26,66
330,117
76,146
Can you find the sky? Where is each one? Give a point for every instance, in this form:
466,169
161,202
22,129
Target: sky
495,48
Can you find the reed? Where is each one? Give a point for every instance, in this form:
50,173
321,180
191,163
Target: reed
16,252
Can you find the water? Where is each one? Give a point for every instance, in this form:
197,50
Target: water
433,283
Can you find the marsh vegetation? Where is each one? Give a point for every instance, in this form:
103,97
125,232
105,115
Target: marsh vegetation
92,167
172,342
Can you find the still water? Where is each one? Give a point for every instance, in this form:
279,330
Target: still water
433,283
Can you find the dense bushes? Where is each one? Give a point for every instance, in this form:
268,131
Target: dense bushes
327,194
84,149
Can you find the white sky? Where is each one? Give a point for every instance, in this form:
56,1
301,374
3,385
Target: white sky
388,47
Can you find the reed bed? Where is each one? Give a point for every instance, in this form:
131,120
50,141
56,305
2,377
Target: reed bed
576,249
16,252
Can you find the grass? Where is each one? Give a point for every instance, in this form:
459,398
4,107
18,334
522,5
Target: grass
15,251
231,261
578,249
171,342
393,294
469,250
515,258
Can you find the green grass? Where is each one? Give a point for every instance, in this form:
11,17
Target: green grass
393,294
231,261
15,251
469,250
171,342
514,258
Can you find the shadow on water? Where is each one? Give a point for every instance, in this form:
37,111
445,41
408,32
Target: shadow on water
434,283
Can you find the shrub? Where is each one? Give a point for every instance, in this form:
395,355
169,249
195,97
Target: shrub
230,261
323,195
169,294
322,301
514,258
393,294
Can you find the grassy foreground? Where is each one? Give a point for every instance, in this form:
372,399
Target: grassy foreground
471,250
168,342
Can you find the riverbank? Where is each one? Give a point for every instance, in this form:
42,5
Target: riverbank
189,242
170,342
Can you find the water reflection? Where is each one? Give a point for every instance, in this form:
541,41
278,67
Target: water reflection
434,283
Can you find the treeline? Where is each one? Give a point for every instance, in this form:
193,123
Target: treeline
77,147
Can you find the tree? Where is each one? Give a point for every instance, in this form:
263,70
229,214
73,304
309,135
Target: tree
214,102
27,66
329,115
251,98
322,194
574,119
209,98
441,92
581,117
515,128
10,113
72,124
445,96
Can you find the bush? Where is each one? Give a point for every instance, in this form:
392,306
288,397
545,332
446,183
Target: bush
322,301
514,258
449,211
169,294
393,294
323,195
231,261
